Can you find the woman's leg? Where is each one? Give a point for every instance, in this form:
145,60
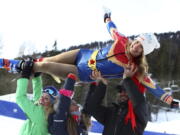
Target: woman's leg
55,69
68,57
59,65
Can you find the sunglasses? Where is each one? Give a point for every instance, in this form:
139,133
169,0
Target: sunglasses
50,92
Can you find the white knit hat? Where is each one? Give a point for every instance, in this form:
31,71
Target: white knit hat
148,41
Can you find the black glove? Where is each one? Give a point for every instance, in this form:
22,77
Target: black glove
19,66
174,104
107,15
37,74
27,68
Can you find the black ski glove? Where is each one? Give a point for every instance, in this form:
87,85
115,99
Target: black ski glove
37,74
107,15
174,104
27,68
19,66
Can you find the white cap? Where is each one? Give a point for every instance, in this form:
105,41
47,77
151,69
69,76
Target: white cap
149,42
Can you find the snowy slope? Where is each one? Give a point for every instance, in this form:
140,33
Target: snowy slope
167,123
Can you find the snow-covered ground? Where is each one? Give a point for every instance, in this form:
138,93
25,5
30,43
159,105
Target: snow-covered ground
166,122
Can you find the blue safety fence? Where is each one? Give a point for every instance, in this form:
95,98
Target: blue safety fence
98,128
11,109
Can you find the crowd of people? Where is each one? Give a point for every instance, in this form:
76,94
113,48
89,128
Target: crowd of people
55,112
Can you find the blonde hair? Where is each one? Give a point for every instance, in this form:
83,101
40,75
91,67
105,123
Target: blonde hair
86,119
49,110
72,124
140,61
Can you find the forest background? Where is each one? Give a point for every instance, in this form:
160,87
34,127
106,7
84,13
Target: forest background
164,68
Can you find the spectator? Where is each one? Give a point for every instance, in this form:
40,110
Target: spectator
38,109
67,118
128,116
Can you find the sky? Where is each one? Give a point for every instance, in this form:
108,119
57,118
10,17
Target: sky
34,25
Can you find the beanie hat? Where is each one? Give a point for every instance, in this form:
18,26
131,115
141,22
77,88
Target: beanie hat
52,91
149,42
68,86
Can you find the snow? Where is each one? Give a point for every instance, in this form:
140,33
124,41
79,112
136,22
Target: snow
164,122
10,126
167,122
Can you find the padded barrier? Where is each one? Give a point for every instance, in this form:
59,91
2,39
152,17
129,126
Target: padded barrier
11,109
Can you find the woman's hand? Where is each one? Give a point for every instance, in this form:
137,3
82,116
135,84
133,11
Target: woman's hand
130,70
96,75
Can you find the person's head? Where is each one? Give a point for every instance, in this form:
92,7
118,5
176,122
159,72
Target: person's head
76,115
137,49
74,107
49,96
121,96
73,118
143,44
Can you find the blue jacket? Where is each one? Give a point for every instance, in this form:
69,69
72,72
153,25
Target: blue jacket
57,121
